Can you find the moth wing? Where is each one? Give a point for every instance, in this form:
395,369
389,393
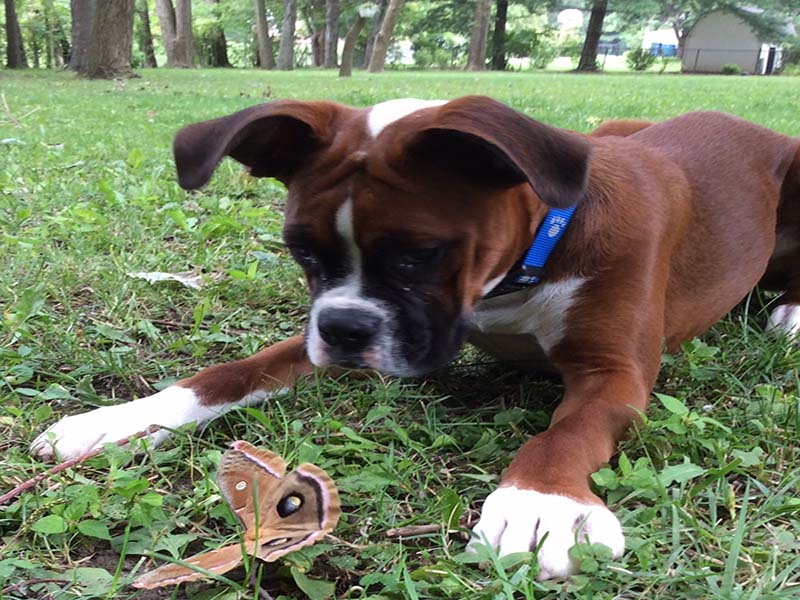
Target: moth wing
246,475
217,561
317,515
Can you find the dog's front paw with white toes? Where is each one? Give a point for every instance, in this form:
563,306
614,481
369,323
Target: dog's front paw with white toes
516,520
77,434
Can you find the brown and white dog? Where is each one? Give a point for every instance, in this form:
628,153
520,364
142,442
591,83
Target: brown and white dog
407,214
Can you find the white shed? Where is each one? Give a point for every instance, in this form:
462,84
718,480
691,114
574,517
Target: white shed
723,37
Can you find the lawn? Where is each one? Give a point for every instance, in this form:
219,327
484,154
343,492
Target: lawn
707,490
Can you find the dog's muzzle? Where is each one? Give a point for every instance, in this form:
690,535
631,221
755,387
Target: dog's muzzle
348,334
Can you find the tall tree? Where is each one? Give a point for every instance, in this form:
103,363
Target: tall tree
15,52
47,17
346,69
176,31
211,45
377,19
384,37
499,36
109,53
314,16
266,59
62,46
331,33
588,60
478,40
362,14
82,22
286,47
146,35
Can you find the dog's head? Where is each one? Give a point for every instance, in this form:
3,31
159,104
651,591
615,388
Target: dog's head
402,215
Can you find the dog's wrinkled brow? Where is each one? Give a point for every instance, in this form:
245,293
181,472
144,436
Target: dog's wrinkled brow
297,234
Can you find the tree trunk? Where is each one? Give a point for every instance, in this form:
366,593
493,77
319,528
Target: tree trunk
184,39
270,52
588,61
15,52
166,19
176,31
377,20
476,59
62,47
215,53
146,35
346,70
219,49
499,36
286,48
266,59
48,34
314,15
331,34
384,37
317,42
110,48
82,21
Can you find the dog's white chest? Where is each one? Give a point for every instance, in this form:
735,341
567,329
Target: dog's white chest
504,325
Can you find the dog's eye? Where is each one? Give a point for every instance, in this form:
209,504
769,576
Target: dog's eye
304,256
413,260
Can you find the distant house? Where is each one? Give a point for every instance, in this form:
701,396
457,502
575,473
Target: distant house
723,37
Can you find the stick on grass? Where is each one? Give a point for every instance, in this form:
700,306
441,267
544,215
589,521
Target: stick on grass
26,485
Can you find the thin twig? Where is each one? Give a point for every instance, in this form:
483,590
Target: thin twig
17,121
410,530
339,540
20,586
468,520
25,485
178,325
10,116
29,113
262,593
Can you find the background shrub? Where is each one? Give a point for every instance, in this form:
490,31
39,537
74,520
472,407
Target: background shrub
640,59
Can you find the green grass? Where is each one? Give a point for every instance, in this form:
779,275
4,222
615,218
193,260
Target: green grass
707,490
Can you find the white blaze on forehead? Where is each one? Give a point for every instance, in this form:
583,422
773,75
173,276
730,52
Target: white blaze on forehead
346,230
388,112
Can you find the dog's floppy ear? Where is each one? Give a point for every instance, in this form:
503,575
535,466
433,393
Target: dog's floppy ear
481,138
270,139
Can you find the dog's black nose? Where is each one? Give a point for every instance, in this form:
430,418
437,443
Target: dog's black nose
347,329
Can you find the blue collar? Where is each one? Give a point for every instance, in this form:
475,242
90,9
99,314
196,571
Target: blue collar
531,269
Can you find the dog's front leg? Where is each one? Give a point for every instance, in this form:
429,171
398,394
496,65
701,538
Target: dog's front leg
546,488
200,398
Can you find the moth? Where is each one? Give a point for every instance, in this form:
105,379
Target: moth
280,514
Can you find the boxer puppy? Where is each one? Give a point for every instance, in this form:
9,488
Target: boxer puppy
414,222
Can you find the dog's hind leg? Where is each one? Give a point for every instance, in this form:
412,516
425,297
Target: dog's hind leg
620,128
783,270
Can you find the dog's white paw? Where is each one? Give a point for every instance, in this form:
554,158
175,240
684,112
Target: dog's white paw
78,434
516,520
785,319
